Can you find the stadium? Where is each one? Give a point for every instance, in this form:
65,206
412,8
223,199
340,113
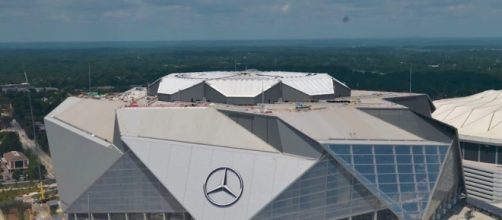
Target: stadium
254,145
478,119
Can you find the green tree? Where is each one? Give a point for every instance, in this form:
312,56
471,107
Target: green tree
33,173
17,175
10,142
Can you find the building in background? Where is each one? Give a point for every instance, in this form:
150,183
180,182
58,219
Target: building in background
478,119
248,87
359,155
14,160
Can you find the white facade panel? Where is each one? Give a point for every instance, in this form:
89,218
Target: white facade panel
79,158
243,87
200,158
177,170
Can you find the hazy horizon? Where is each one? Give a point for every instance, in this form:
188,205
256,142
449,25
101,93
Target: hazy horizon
193,20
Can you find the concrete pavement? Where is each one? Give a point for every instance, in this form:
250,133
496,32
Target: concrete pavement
1,215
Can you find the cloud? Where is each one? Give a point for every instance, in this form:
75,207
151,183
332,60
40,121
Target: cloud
244,19
285,7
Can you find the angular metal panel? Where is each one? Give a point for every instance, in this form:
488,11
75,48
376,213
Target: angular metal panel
188,165
127,186
74,150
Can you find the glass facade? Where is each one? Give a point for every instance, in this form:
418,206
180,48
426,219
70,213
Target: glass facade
446,191
405,173
325,191
481,152
130,216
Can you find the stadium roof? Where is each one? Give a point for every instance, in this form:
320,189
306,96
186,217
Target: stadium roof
249,83
477,116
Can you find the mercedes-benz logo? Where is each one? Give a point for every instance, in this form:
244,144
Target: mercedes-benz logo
223,187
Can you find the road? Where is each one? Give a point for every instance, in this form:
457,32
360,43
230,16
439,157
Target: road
29,144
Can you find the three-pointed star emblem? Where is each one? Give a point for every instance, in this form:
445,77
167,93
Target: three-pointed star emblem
230,183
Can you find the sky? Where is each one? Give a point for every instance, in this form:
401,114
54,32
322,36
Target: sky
159,20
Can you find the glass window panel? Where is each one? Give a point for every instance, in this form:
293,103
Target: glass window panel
383,159
386,178
363,159
487,153
368,216
423,205
471,151
393,196
420,177
347,158
385,169
441,158
433,177
417,150
362,149
117,216
499,155
388,188
442,149
386,215
419,168
340,149
365,169
407,187
403,159
406,178
431,150
100,216
405,168
82,216
418,159
410,207
432,159
175,216
383,149
370,177
402,149
408,197
432,168
135,216
155,216
422,187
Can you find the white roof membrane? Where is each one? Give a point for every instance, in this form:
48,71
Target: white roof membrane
171,85
190,125
249,83
320,84
478,115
